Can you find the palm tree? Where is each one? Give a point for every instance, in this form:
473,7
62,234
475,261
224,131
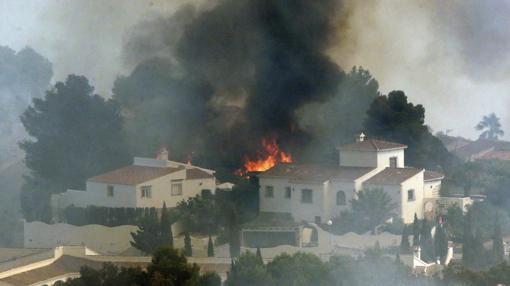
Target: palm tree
373,207
491,127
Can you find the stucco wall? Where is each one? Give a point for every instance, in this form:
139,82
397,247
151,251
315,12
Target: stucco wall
308,211
383,158
278,203
123,196
161,190
351,158
398,193
332,209
409,208
101,238
432,189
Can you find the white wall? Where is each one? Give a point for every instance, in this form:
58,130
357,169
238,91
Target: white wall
379,159
332,209
308,211
432,189
409,208
278,203
352,158
101,238
398,193
161,190
299,211
383,158
123,195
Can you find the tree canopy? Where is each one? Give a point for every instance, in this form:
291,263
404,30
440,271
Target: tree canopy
75,134
168,267
490,127
393,118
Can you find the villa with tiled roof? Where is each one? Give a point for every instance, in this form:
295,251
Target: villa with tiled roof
318,193
148,182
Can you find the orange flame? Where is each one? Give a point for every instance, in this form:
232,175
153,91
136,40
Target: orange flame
270,155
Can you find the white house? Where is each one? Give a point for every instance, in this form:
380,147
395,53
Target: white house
317,193
147,182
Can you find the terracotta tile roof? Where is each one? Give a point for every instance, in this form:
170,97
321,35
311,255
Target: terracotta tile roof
372,145
309,172
481,146
133,175
393,176
501,155
431,176
196,173
65,264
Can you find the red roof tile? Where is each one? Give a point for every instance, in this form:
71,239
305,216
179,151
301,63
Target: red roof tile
196,173
393,176
133,175
432,176
501,155
372,145
309,172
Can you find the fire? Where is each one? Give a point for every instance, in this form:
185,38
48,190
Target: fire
270,155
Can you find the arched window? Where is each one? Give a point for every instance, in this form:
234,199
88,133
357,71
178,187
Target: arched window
340,198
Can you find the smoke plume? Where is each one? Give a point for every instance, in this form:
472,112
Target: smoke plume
24,75
263,60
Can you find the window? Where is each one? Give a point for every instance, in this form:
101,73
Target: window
410,196
288,192
306,196
340,198
146,191
269,192
176,189
109,191
318,220
393,162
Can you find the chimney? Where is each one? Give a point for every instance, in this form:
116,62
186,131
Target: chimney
360,137
162,154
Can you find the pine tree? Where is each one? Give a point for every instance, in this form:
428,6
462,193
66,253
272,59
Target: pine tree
405,247
210,247
416,231
188,250
259,255
498,250
166,226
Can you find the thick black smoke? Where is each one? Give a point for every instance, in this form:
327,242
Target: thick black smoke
263,59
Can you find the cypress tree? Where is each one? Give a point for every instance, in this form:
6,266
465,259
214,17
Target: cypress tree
441,243
498,250
210,247
416,231
188,250
467,251
259,256
405,247
166,226
427,248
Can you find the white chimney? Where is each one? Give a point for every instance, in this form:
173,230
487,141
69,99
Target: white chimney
162,154
360,137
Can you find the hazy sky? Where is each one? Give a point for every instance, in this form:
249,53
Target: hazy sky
453,58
